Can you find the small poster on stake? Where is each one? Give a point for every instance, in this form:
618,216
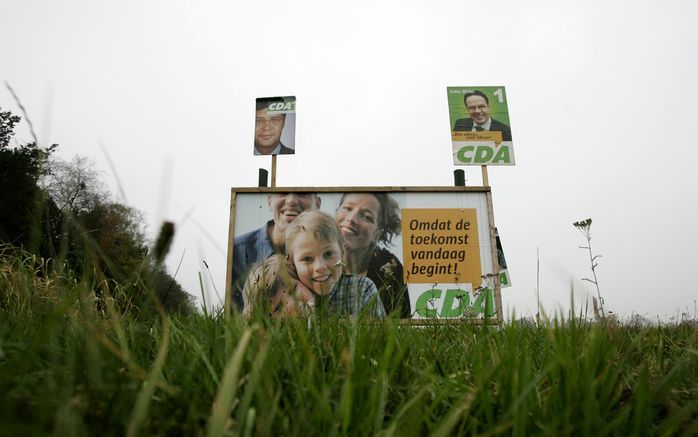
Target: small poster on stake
480,126
504,280
275,126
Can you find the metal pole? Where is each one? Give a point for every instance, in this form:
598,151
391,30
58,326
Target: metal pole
459,178
263,175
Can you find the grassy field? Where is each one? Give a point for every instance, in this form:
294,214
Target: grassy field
72,364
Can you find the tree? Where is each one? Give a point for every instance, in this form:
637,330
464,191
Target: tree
98,238
109,237
7,127
171,294
26,217
75,185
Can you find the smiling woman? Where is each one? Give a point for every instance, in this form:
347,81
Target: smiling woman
367,221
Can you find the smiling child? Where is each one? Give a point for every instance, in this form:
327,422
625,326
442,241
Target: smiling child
314,250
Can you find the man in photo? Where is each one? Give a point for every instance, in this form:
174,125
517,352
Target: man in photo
479,107
268,128
258,245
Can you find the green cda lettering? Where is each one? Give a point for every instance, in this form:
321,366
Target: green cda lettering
456,303
281,106
504,278
483,155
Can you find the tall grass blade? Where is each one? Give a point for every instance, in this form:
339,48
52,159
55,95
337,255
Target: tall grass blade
140,410
222,405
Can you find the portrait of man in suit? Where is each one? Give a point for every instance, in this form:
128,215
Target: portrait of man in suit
478,105
268,127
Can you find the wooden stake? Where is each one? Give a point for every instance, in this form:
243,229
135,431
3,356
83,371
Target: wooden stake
273,171
229,264
485,179
495,255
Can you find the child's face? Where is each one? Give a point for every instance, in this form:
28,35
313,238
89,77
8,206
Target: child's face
316,263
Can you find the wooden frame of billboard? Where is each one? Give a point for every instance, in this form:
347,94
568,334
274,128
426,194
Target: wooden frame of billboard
458,189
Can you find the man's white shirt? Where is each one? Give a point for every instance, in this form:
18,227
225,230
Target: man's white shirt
276,151
485,126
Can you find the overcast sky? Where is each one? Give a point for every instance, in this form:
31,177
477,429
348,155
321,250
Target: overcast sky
601,99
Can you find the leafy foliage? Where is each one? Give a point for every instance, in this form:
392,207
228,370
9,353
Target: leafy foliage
7,127
60,210
27,217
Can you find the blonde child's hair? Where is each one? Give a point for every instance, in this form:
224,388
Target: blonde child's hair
317,224
265,279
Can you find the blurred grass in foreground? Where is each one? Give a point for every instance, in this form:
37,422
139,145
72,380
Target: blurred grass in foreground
74,364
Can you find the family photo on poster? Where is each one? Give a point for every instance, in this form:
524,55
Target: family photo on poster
355,252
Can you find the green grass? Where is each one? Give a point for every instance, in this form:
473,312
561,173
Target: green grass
71,364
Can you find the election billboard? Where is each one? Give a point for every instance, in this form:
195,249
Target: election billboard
480,126
429,253
275,126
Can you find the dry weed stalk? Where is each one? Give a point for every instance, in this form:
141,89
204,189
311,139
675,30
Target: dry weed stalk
584,226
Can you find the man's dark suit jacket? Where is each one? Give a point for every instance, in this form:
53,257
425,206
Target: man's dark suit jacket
286,150
466,124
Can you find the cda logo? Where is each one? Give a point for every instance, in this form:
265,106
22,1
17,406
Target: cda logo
453,300
283,106
483,154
